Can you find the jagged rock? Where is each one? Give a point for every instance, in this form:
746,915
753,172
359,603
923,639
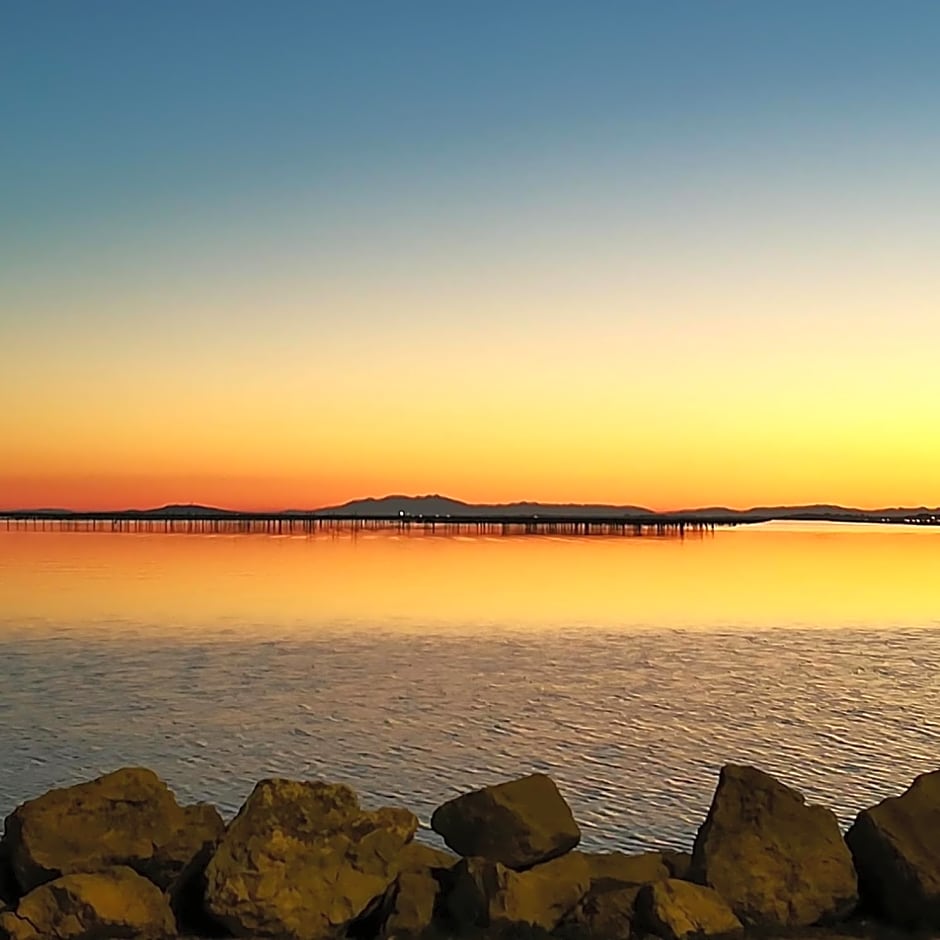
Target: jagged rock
606,912
777,861
114,902
485,893
417,890
301,860
128,817
897,854
674,909
610,869
678,863
519,823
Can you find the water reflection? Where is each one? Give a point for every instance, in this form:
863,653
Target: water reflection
752,577
410,668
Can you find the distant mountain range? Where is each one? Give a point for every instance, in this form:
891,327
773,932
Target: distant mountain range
445,507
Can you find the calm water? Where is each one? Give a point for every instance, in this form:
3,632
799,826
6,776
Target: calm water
412,667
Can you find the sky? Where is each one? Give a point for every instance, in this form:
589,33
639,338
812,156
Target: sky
669,254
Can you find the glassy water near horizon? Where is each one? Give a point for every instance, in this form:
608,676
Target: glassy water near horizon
414,667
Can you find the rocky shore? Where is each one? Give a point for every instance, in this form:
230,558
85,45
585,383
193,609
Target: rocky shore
118,857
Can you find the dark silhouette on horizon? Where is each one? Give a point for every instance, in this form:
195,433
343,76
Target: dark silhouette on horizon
440,509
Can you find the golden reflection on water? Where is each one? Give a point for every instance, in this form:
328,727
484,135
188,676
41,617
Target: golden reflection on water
762,576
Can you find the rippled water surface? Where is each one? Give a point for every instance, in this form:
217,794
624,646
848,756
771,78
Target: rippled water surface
412,667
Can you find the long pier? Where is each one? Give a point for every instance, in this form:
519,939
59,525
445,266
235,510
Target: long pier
570,524
311,523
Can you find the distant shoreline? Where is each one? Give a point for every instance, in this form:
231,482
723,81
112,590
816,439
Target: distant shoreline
434,509
548,521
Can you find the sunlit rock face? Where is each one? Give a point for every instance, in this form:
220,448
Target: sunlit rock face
897,853
414,900
484,893
519,823
675,910
301,860
129,817
115,902
777,861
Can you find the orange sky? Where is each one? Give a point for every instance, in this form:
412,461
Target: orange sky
847,421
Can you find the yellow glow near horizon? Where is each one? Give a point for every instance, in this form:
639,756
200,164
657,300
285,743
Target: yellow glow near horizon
612,429
731,387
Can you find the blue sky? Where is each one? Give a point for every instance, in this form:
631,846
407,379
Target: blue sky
123,107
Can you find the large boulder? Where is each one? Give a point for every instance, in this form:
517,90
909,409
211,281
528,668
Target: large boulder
484,893
129,817
777,861
114,902
301,860
897,854
519,823
674,910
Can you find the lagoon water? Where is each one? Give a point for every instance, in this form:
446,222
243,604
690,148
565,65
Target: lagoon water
414,666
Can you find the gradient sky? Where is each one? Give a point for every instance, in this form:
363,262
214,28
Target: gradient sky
287,254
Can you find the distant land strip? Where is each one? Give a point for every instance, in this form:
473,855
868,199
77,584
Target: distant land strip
438,510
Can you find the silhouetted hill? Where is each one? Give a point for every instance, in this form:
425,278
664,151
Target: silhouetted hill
435,505
444,507
393,505
183,509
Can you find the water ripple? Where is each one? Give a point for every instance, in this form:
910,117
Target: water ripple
633,726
